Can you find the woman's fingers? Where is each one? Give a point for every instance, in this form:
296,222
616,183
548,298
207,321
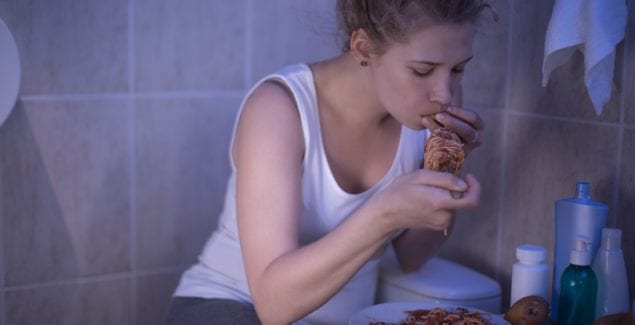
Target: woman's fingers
470,188
440,220
422,198
467,124
468,116
472,196
440,179
466,131
430,124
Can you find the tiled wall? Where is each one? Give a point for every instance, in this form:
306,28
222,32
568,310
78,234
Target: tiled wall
114,161
540,141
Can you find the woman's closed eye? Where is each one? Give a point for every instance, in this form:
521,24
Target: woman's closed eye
422,73
426,73
458,71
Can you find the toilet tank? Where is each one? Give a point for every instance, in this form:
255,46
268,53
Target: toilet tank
439,280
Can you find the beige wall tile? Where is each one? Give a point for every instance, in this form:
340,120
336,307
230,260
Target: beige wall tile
70,46
480,225
286,32
544,160
65,190
154,292
485,77
192,45
566,94
97,303
182,169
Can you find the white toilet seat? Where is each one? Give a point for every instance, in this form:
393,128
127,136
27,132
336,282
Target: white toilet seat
438,280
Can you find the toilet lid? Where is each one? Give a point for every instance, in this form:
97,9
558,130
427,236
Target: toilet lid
439,278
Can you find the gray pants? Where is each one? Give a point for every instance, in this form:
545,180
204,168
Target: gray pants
202,311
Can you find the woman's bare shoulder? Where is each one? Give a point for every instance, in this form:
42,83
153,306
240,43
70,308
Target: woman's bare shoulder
270,118
271,104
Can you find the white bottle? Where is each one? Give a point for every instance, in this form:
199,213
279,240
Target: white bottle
530,274
610,270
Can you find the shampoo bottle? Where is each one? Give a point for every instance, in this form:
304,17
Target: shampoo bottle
610,269
577,215
578,290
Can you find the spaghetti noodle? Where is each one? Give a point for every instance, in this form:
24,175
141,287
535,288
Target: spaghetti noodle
444,152
440,316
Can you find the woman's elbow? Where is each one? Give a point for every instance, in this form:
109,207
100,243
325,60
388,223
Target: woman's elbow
269,313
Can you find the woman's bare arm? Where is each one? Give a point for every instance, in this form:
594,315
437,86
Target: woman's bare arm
288,281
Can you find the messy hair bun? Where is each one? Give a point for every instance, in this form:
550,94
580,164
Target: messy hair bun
390,21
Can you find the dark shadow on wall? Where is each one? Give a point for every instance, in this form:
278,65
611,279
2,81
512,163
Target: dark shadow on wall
66,213
37,244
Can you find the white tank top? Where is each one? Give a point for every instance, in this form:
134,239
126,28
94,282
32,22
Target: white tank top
220,272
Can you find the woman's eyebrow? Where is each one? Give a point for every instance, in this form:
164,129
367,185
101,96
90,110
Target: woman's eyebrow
437,63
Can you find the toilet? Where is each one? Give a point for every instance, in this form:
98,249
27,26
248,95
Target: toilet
439,280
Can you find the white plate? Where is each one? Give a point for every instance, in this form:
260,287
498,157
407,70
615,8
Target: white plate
396,311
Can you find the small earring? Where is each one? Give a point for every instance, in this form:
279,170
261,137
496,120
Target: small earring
363,63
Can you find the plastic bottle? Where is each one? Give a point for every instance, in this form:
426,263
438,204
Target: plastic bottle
577,215
578,290
610,269
530,275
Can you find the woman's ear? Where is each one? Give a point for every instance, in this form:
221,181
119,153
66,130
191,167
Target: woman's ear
361,45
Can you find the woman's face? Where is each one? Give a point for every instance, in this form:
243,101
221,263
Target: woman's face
423,76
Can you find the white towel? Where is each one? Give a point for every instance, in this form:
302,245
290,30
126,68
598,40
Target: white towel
594,27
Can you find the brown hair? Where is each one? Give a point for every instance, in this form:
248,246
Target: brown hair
392,21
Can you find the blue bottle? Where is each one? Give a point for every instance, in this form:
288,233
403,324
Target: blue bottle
577,215
578,290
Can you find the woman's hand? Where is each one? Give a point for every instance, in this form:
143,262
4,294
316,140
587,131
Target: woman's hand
422,199
466,123
421,203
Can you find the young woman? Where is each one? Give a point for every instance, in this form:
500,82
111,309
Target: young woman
325,171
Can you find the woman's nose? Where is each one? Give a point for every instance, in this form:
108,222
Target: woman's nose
441,95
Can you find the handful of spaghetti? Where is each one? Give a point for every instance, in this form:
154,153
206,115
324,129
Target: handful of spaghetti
459,316
444,152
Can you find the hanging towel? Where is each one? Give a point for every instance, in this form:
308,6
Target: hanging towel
594,27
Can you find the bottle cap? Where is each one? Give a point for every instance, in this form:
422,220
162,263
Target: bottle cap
611,239
531,254
582,190
581,255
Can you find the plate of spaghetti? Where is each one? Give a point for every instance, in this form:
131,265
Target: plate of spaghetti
424,313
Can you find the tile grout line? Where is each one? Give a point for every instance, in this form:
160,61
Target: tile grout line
621,131
132,162
240,93
505,115
138,95
2,268
96,278
69,281
577,120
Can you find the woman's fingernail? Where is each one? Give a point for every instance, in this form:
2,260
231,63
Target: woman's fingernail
439,117
456,195
462,184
